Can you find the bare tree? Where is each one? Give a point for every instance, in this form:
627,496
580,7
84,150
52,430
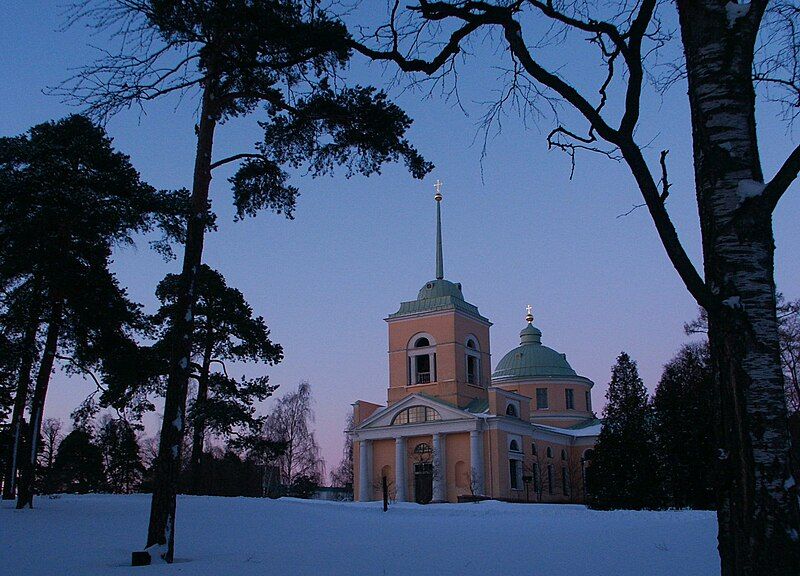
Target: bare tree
51,436
789,332
290,423
342,475
758,511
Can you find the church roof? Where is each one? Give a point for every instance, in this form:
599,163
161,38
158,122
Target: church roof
531,359
440,294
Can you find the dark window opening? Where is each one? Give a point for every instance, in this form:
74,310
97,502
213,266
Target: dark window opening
513,468
541,399
570,397
511,410
473,376
423,368
422,343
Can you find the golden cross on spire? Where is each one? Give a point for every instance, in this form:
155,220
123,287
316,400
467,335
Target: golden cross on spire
438,186
529,315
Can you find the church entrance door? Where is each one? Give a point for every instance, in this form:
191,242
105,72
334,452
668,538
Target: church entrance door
423,482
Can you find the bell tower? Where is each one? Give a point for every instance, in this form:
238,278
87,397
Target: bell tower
439,343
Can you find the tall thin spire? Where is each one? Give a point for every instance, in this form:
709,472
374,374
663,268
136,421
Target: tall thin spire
439,261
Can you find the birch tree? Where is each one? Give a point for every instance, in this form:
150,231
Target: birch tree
758,516
289,424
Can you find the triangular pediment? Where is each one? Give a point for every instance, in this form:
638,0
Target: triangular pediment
385,417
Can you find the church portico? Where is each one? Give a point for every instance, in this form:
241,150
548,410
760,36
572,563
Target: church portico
451,428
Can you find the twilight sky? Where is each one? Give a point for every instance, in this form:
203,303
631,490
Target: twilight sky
516,229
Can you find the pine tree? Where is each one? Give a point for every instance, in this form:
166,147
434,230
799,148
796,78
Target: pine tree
239,55
683,410
124,468
68,199
78,466
623,472
225,330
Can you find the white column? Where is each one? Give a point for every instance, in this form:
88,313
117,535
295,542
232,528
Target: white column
476,461
400,469
439,469
364,471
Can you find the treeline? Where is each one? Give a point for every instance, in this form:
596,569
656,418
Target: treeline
107,454
659,451
70,199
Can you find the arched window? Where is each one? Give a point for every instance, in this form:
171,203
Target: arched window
563,454
416,415
421,360
533,448
423,448
513,446
549,452
472,358
511,410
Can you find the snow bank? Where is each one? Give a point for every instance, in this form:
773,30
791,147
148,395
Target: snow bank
94,535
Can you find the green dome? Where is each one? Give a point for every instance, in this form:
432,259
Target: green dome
439,289
532,360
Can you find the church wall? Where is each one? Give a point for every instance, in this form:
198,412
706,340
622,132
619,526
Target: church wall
449,330
382,458
363,410
458,477
557,403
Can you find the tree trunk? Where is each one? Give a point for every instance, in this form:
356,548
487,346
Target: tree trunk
161,530
18,414
199,431
28,463
757,496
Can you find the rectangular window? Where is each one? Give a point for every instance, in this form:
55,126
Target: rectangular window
541,399
471,369
423,368
515,471
570,397
588,401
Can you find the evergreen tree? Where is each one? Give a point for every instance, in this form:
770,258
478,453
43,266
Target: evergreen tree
68,199
683,409
623,472
124,468
225,329
78,466
284,55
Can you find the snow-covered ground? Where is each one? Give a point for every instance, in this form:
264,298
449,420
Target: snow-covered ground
95,534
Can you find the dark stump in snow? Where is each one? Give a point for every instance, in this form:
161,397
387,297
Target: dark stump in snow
140,558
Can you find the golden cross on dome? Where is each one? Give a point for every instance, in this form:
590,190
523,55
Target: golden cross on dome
529,315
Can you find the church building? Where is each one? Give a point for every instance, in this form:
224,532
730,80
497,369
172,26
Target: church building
453,429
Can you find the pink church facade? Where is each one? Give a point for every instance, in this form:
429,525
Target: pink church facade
452,428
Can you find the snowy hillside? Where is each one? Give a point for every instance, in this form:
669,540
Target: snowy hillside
94,535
